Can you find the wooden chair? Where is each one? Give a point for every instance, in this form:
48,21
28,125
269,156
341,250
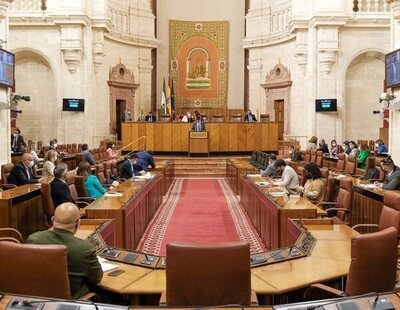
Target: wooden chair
219,118
319,159
313,158
5,172
373,265
264,118
208,274
164,118
10,234
236,117
47,204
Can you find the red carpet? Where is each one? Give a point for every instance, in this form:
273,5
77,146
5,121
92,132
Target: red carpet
199,210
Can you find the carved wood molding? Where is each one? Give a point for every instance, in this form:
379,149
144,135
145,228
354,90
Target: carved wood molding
278,77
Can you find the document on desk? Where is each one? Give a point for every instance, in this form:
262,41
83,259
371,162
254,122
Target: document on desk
113,194
147,176
370,186
105,265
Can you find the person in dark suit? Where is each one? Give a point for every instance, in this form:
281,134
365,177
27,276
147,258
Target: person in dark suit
59,188
199,125
22,173
250,117
86,154
150,117
131,168
17,141
145,159
392,180
84,269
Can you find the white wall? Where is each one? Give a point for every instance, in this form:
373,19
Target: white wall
205,10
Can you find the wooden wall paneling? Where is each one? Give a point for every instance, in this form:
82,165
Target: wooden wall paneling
166,137
273,137
149,136
224,137
141,133
185,128
135,135
126,133
176,135
250,136
265,136
233,137
158,137
213,136
257,137
242,137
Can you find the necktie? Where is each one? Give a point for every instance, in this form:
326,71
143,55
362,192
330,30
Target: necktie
198,126
27,173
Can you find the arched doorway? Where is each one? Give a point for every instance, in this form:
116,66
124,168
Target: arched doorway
122,92
364,84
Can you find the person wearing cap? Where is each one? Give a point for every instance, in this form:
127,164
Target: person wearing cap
312,144
84,269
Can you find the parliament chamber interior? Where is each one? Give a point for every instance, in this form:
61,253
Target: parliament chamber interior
199,154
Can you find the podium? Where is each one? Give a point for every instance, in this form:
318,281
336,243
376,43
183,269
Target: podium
198,142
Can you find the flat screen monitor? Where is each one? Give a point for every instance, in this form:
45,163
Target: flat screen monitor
392,69
72,104
7,68
325,105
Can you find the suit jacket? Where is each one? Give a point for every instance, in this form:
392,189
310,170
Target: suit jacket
128,169
146,158
84,269
393,180
88,157
60,192
250,118
19,143
18,175
202,126
150,118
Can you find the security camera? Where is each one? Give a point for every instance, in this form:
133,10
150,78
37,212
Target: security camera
386,97
19,97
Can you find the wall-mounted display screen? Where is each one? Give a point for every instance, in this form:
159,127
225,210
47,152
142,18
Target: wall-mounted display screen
325,105
392,69
72,104
7,68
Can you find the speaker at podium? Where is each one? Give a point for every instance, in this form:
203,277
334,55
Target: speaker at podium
198,143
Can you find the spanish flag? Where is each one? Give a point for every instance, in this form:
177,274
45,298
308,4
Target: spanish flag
169,110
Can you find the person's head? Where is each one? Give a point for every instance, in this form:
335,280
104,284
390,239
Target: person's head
27,160
84,169
31,145
333,142
313,139
110,145
379,142
66,217
85,147
352,144
272,158
313,171
51,156
17,131
198,118
53,143
280,164
387,164
291,149
150,112
249,112
322,142
60,171
133,158
363,146
345,144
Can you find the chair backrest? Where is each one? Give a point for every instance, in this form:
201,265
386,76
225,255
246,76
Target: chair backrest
78,158
164,118
208,274
47,203
264,118
351,165
378,161
36,270
329,188
390,214
100,173
341,162
320,158
5,172
313,158
373,262
114,167
301,173
107,170
71,185
345,198
236,117
80,186
219,118
307,156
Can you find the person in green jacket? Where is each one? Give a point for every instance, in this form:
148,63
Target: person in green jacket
363,155
84,269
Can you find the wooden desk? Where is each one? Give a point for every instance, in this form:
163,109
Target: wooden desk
235,169
223,137
106,229
198,142
132,211
21,208
166,168
270,215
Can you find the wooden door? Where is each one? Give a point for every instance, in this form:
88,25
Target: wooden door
279,106
119,116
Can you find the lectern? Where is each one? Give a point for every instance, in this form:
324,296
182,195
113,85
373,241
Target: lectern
198,142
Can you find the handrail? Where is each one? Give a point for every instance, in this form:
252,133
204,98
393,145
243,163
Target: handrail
139,147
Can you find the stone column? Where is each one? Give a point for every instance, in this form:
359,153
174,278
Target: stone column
5,149
143,93
256,78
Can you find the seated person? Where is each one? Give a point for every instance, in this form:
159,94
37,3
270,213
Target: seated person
53,146
198,125
22,173
131,168
314,187
363,155
250,117
92,183
187,118
312,144
335,148
150,117
36,159
49,164
294,155
110,153
353,149
346,147
86,154
380,146
392,180
290,179
323,146
84,270
59,188
270,170
145,159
